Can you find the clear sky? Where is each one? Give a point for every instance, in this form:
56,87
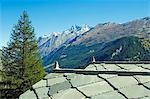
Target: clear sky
57,15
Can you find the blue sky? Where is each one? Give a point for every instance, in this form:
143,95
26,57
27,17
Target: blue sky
57,15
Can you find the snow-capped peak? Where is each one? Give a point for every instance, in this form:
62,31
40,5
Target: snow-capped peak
75,28
55,33
56,39
85,28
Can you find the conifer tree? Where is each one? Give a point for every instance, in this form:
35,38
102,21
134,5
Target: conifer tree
21,61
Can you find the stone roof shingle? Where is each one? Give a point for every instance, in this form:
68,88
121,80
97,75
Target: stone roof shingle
100,86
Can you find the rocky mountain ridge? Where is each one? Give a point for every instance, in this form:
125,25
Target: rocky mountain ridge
52,42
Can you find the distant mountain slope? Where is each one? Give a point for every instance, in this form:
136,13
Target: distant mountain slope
125,48
50,43
110,31
78,56
107,41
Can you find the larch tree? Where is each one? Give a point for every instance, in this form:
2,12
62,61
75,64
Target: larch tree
22,64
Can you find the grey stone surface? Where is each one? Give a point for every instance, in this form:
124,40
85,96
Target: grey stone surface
143,79
146,66
81,80
127,66
69,94
53,75
101,86
99,66
90,67
59,87
123,81
56,80
135,91
138,69
109,95
111,67
28,94
41,83
70,75
107,76
147,84
42,92
145,98
95,88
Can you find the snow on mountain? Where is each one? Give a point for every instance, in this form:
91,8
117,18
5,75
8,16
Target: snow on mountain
53,41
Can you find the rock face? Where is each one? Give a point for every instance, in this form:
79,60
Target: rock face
50,43
98,86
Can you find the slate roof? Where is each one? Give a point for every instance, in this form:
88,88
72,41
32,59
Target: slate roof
99,86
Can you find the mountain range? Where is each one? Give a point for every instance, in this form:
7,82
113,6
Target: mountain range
75,47
55,40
